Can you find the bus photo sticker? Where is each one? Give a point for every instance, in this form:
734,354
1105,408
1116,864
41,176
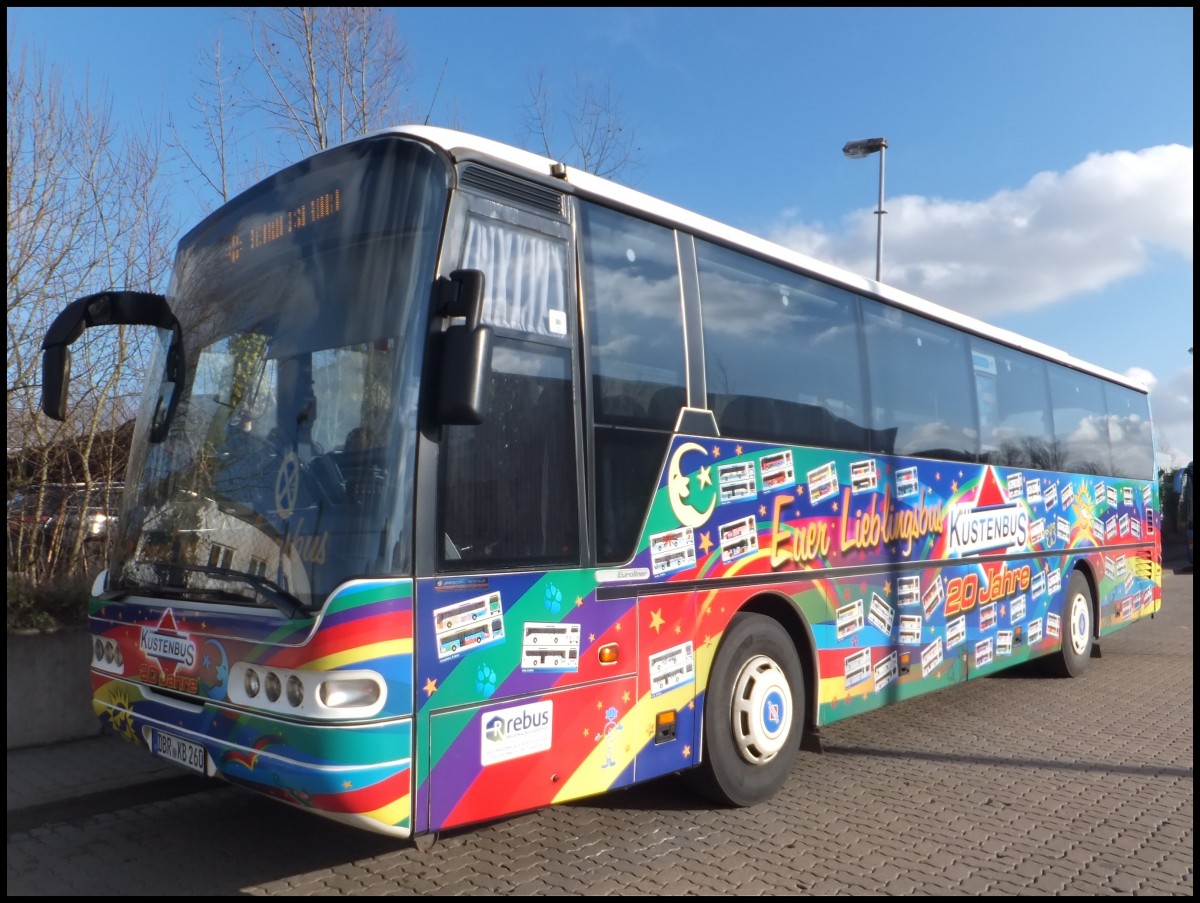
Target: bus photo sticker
822,483
906,482
863,476
881,615
672,550
738,538
849,619
550,647
737,481
778,472
469,625
672,668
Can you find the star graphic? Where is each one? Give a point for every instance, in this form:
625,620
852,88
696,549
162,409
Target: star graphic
599,704
762,510
799,490
656,621
430,687
591,637
887,587
618,626
346,785
954,486
687,752
586,732
692,705
738,449
704,476
716,451
578,601
625,698
678,629
706,543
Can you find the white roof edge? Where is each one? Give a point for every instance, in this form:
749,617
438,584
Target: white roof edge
459,144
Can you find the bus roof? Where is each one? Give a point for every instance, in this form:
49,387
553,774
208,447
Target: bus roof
462,146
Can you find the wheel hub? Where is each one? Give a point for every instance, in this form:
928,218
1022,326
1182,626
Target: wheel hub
1080,624
762,710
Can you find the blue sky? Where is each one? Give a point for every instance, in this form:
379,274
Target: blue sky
1038,174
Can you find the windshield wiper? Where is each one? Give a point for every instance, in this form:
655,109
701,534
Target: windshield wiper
265,589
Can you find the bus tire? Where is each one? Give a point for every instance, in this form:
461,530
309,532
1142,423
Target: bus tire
753,713
1078,630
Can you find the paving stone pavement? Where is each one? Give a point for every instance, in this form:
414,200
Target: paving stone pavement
1013,785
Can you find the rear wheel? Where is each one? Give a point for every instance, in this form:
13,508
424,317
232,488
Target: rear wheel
1077,630
753,713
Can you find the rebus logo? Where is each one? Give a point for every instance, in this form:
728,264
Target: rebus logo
519,731
494,730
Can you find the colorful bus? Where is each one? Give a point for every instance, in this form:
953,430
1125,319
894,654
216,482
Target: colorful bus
425,406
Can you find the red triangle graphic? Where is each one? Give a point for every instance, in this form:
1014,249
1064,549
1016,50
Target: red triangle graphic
991,494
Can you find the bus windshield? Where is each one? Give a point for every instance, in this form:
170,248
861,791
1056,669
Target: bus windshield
287,467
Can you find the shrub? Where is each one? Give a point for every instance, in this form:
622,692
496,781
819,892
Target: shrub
60,601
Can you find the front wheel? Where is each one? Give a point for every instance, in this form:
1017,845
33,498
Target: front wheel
753,713
1077,629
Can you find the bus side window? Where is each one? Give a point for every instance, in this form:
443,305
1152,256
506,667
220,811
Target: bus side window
508,486
632,303
781,351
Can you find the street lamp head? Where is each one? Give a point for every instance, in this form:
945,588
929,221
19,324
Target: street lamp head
864,147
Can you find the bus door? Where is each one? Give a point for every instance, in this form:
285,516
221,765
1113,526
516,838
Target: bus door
515,708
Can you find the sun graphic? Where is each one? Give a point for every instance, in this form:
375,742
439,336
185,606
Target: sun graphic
120,717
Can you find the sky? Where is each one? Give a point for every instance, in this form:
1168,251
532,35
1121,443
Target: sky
1038,174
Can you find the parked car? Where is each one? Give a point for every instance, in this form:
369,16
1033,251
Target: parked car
97,510
49,514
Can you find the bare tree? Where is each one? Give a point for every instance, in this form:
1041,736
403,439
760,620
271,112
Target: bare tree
85,213
314,76
599,140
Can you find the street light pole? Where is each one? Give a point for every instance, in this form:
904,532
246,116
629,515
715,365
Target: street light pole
856,150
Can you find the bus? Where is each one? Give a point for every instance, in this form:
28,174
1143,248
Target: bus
424,405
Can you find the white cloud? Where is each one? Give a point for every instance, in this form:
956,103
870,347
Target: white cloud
1058,236
1171,407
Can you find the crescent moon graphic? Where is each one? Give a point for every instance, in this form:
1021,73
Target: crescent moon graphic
222,670
677,490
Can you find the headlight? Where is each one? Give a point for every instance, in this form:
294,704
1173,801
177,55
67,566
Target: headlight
349,693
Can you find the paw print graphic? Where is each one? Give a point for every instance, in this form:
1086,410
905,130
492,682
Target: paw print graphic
553,599
485,681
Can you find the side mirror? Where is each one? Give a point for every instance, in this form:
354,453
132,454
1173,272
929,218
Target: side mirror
466,350
106,309
466,364
56,378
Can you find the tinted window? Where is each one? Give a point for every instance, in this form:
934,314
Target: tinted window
508,492
508,485
1080,421
922,390
781,353
1016,426
634,332
1129,432
634,319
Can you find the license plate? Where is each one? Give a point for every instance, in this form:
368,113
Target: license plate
182,752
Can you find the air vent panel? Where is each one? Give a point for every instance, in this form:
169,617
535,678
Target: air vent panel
504,187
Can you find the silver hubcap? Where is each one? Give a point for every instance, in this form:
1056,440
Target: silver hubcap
1081,623
761,710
